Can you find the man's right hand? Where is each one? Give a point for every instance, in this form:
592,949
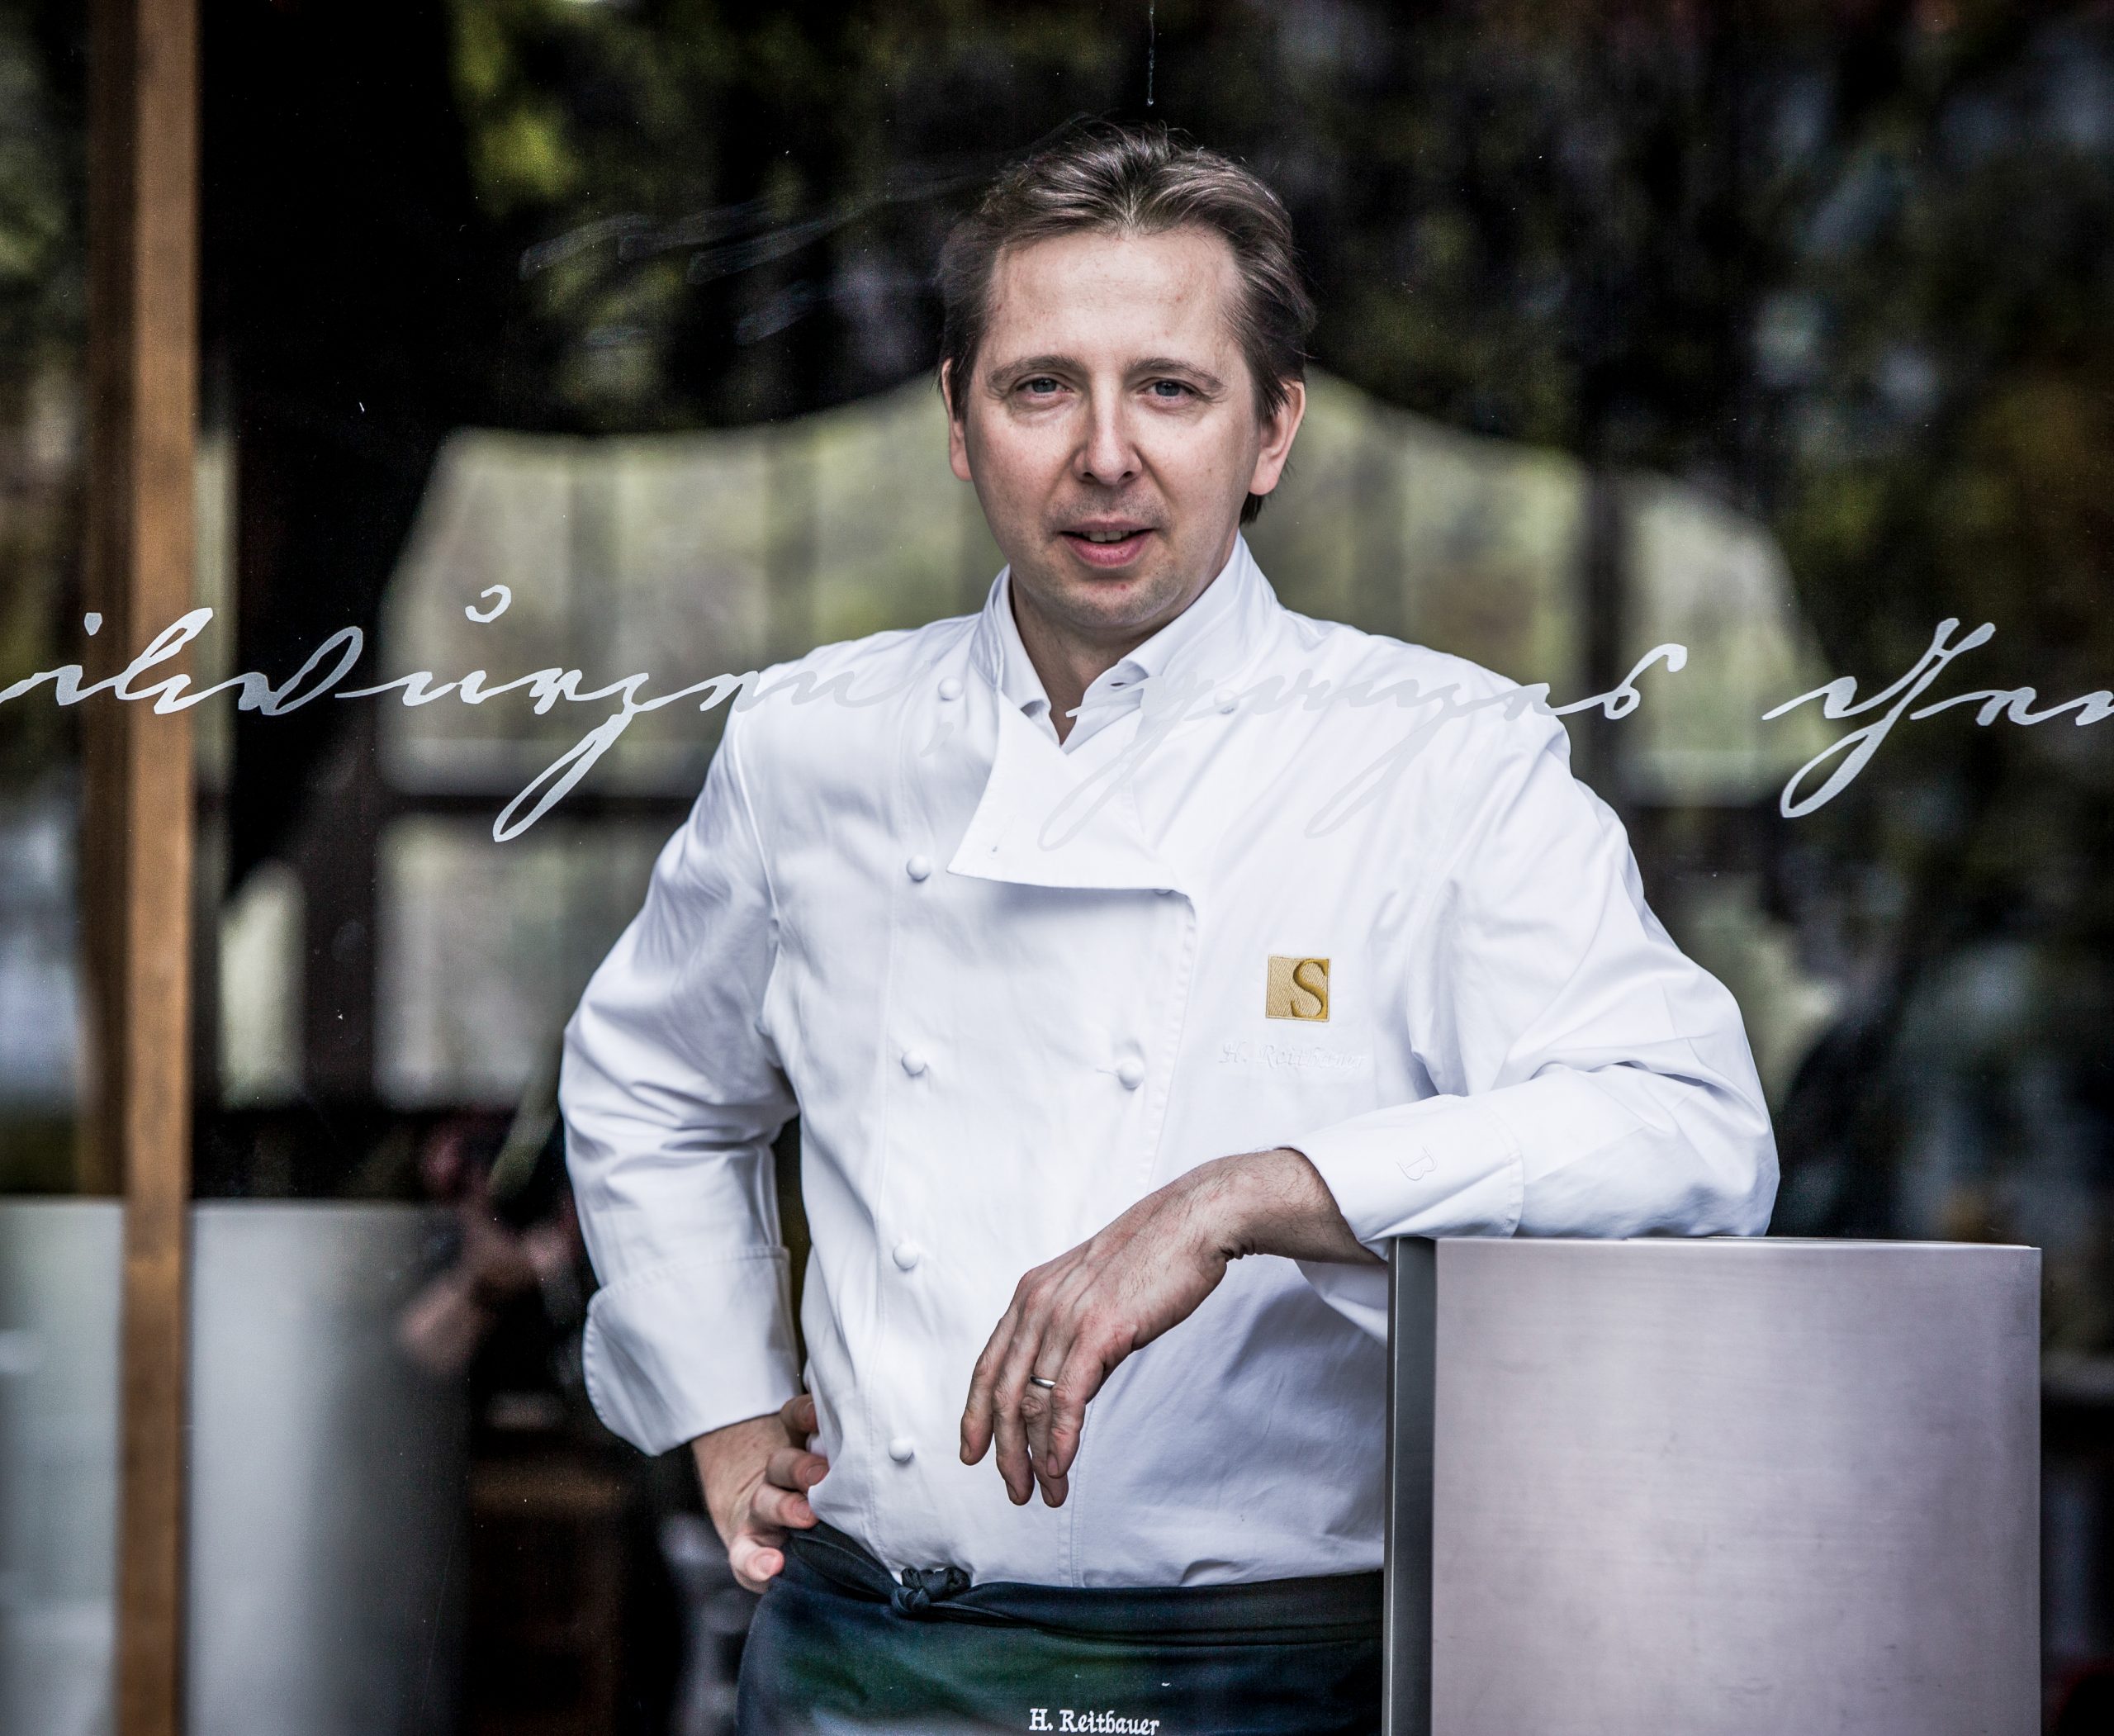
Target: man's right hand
756,1475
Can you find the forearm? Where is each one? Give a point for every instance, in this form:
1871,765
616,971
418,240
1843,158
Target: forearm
1627,1151
1274,1202
734,1443
1610,1151
1073,1319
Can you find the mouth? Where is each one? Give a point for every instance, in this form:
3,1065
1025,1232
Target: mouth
1107,543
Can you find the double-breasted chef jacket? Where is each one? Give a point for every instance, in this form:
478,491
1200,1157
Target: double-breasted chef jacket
1286,884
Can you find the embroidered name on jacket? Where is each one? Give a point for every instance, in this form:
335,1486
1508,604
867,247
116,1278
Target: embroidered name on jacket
1296,987
1312,1058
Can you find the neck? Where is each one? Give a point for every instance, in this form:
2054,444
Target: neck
1069,661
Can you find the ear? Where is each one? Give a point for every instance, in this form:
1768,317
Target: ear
1277,432
957,429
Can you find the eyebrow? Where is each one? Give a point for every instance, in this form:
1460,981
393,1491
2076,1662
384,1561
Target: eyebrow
1150,365
1172,365
1032,365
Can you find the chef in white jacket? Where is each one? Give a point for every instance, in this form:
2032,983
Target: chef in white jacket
1139,957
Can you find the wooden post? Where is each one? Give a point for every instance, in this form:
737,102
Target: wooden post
137,814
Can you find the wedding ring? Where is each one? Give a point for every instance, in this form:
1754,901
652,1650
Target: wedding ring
1047,1386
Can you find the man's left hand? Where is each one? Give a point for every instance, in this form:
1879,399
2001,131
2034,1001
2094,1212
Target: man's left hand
1075,1319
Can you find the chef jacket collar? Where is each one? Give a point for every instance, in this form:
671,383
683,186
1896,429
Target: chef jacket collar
1211,636
1119,688
1050,818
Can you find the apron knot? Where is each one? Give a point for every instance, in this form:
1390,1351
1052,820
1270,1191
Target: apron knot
922,1587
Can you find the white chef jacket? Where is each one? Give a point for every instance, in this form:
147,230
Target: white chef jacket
1012,987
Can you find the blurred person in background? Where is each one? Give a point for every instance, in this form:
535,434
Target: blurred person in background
517,1243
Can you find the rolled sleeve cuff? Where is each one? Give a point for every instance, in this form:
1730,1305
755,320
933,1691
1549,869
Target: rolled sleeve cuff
1445,1166
675,1353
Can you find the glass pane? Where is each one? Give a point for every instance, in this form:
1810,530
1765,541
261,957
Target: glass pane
59,1256
562,355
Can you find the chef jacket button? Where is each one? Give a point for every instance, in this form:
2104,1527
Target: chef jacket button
913,1062
906,1253
1227,699
902,1449
1131,1071
918,866
949,687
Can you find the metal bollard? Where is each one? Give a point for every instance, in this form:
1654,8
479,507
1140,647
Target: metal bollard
1722,1487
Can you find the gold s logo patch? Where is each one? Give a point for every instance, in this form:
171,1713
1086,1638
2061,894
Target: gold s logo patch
1296,987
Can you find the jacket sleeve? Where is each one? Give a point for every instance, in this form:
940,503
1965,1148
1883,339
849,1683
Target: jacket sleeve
672,1097
1590,1079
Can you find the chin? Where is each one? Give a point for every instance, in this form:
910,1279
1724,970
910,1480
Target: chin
1128,601
1094,599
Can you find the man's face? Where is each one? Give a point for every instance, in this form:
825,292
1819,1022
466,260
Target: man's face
1110,427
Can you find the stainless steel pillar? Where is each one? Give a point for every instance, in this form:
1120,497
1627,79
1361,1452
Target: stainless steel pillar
326,1474
326,1490
1716,1487
58,1295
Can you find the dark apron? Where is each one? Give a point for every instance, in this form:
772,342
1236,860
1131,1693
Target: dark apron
837,1645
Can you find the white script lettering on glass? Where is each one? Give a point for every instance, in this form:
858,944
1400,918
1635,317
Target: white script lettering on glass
1167,701
1839,699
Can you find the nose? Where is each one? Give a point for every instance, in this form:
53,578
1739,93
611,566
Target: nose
1107,455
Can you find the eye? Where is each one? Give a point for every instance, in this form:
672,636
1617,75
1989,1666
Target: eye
1171,391
1040,386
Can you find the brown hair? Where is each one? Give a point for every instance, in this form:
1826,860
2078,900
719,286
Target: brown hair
1135,180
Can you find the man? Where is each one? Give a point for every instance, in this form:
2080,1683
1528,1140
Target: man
1140,956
